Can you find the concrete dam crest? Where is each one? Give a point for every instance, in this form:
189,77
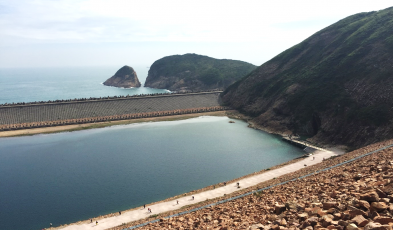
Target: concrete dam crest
79,111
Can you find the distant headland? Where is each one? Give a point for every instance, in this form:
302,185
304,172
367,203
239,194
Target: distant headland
190,72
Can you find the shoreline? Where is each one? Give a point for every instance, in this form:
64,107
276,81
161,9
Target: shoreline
85,224
232,114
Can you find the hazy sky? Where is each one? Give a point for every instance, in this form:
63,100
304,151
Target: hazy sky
49,33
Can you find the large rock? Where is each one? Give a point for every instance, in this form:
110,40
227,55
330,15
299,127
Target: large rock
383,219
377,226
125,77
360,221
378,206
370,197
352,227
279,208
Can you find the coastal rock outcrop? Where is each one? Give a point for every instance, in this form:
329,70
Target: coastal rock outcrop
335,87
192,72
125,77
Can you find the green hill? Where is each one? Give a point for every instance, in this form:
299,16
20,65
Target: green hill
195,72
336,86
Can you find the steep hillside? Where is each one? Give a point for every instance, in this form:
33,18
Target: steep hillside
125,77
195,72
336,86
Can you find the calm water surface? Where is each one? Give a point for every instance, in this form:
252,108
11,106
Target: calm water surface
67,177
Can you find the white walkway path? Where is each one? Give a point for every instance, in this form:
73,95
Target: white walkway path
210,194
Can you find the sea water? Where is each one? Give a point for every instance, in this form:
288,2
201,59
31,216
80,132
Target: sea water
66,177
43,84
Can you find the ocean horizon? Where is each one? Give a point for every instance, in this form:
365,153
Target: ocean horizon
58,83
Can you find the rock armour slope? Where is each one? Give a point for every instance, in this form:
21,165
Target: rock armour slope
335,86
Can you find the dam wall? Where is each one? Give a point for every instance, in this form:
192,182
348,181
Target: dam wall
44,114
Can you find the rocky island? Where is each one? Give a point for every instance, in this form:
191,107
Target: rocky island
125,77
195,72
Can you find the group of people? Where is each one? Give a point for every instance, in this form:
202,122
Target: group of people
177,202
91,221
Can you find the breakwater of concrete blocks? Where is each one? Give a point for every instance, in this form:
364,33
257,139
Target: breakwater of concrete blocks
25,116
76,100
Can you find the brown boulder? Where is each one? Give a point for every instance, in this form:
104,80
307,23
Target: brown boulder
378,206
364,204
377,226
360,221
279,208
383,219
342,223
312,220
381,193
283,222
370,197
355,211
388,188
256,227
302,216
352,227
326,222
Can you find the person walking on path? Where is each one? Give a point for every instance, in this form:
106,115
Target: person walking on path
192,197
144,206
119,212
96,222
177,202
238,185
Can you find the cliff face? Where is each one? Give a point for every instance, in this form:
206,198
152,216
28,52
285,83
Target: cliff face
125,77
335,87
195,72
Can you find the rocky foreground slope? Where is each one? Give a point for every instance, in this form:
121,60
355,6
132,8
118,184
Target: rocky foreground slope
336,86
358,195
125,77
195,72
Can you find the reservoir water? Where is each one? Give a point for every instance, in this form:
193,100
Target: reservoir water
67,177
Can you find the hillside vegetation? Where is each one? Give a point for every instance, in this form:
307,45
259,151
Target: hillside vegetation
335,86
195,72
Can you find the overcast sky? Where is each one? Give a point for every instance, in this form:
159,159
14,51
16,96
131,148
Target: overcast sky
50,33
